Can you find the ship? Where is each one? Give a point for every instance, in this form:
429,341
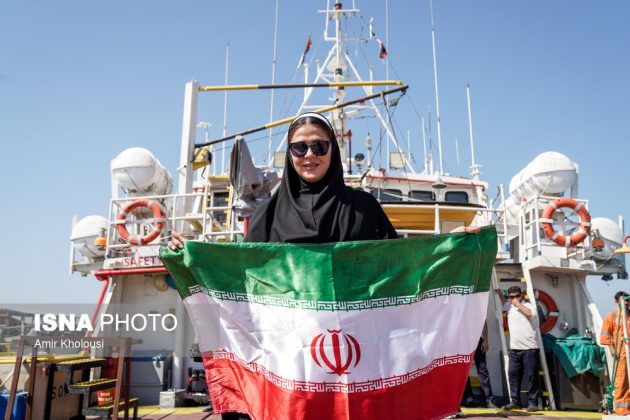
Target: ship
548,241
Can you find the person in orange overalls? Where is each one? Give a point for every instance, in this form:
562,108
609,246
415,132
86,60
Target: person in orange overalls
612,335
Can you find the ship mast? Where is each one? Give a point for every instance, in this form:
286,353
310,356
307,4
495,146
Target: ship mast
336,67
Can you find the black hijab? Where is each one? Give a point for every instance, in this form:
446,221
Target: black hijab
323,211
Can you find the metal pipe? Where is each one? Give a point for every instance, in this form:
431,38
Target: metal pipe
103,274
273,79
475,168
227,61
99,301
437,95
302,85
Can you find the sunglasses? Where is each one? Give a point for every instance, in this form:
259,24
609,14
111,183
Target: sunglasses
318,147
514,296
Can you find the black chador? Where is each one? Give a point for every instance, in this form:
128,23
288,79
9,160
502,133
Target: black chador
324,211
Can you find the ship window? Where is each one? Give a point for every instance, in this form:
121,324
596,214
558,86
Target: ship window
456,197
418,195
388,195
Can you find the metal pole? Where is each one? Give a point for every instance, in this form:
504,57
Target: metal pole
187,148
626,345
499,313
505,225
273,81
437,95
424,148
303,85
227,56
408,147
473,166
387,37
543,360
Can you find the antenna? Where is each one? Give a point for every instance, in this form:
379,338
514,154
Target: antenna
430,131
408,146
424,147
437,95
475,167
457,152
273,81
387,38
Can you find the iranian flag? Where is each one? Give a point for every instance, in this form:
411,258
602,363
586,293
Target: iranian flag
373,329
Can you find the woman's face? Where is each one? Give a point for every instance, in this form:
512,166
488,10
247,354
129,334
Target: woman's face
311,168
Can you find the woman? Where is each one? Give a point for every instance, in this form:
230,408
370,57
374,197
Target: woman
313,205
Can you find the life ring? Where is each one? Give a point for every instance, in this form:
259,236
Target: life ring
158,214
549,322
576,237
552,311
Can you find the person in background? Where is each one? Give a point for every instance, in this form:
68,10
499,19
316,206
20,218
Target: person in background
482,371
612,335
524,348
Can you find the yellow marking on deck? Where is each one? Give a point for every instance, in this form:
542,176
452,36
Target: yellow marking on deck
146,410
78,361
94,382
155,409
4,360
111,404
543,413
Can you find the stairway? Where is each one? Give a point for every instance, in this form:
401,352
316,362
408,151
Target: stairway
85,387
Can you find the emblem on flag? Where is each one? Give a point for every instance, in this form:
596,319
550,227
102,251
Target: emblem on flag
340,363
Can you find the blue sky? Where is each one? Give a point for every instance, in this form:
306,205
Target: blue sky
82,81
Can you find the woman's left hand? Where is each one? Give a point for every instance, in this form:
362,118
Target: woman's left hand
466,229
177,242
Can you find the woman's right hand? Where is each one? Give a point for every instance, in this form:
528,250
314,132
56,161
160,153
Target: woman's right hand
177,242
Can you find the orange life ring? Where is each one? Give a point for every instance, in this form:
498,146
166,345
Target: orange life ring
552,313
140,239
576,237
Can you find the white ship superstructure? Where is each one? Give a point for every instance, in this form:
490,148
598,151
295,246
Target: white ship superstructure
418,201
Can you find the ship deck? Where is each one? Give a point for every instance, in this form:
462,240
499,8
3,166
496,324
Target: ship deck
196,413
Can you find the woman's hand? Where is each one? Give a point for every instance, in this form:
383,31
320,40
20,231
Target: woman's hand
466,229
177,242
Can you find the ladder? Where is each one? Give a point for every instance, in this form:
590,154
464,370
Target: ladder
543,359
505,352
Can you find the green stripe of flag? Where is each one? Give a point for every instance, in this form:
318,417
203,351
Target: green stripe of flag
361,270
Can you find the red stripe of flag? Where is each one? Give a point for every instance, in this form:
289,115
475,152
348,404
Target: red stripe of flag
234,388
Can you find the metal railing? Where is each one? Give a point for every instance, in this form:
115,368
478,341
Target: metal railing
531,239
206,222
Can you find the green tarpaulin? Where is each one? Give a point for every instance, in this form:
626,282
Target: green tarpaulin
577,354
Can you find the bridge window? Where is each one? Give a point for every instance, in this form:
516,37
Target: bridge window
417,195
388,195
456,197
